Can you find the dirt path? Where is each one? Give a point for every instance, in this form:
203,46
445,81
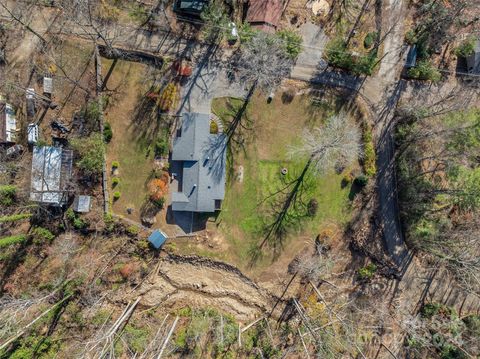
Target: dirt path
208,283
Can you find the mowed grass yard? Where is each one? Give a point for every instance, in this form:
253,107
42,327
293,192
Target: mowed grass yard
268,133
132,144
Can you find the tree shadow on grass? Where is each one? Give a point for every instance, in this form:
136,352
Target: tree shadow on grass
324,103
147,119
355,189
288,210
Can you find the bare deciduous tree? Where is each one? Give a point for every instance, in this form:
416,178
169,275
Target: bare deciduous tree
263,62
21,13
14,312
336,143
102,345
459,250
96,20
312,267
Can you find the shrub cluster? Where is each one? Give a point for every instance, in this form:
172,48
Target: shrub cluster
11,240
139,13
107,132
466,48
161,146
158,189
15,217
42,235
424,70
168,97
292,42
91,151
367,272
369,157
109,221
339,56
370,39
7,195
77,222
361,181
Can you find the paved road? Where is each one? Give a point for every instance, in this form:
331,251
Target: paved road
388,76
382,92
311,57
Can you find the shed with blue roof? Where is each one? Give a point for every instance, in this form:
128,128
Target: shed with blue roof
157,239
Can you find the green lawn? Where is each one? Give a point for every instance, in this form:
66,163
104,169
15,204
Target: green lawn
268,132
135,132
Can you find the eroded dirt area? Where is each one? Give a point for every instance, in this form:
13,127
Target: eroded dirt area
199,282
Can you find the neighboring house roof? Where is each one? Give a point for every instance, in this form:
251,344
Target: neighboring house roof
8,123
473,61
157,238
192,7
51,171
265,13
203,170
82,204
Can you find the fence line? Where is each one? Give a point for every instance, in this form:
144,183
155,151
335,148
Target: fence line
98,71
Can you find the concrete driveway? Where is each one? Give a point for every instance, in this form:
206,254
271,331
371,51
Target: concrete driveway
208,81
310,60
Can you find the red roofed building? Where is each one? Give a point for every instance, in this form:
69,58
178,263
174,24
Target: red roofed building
265,14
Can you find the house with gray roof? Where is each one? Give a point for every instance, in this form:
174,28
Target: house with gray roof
51,173
199,155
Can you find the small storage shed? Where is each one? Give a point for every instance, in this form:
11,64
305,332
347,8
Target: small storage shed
157,238
81,204
31,108
47,85
8,123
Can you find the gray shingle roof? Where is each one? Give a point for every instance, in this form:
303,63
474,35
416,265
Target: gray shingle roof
203,155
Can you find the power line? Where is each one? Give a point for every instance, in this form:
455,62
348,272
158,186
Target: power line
303,46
